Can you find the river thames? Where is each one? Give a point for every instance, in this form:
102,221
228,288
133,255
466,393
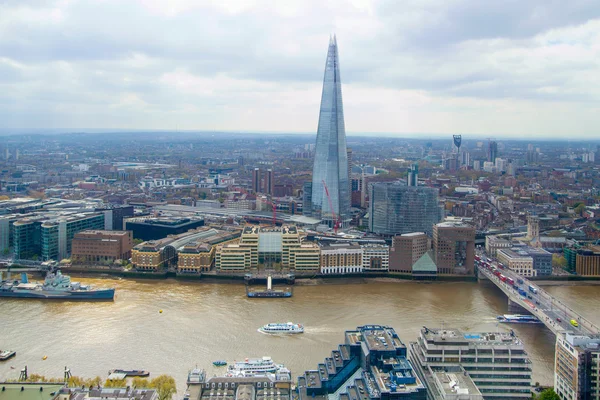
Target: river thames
203,322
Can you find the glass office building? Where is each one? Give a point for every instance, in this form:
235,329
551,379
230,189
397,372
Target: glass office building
395,209
330,169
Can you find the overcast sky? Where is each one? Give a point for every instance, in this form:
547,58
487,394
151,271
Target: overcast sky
477,67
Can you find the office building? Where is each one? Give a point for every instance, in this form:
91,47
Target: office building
526,261
57,234
198,254
101,247
375,257
577,367
263,183
492,151
330,180
412,179
454,248
149,228
256,178
193,249
341,258
48,236
114,216
406,250
494,243
267,247
371,364
496,361
584,261
395,208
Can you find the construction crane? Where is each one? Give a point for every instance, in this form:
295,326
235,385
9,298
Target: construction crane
336,223
271,203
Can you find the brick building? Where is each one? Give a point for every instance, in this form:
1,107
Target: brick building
454,248
101,247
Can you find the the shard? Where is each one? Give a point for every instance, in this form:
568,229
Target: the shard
330,170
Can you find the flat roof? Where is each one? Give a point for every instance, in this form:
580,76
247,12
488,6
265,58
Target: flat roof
12,391
453,335
455,382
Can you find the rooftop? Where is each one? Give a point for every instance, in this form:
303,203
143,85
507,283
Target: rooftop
31,391
455,382
452,335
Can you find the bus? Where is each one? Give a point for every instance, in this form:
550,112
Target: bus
574,323
532,289
502,278
510,281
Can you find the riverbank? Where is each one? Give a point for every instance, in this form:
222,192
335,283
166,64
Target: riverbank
310,279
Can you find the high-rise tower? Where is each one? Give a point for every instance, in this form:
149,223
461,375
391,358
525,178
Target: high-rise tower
331,159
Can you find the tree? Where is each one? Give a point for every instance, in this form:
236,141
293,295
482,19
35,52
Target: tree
115,383
165,386
137,241
580,209
558,260
140,383
548,394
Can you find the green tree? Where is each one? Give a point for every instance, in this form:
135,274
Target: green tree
579,209
137,241
165,386
115,383
140,383
548,394
558,260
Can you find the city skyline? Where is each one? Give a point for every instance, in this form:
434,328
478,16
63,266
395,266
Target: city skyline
417,68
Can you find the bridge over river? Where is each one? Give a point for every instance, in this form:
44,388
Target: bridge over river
534,300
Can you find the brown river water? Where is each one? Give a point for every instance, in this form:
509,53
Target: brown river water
203,322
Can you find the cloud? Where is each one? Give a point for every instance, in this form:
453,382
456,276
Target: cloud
412,66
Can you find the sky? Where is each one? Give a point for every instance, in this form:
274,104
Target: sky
511,68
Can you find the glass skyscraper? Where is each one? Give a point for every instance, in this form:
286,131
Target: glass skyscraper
396,209
331,160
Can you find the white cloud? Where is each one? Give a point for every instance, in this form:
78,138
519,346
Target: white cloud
442,66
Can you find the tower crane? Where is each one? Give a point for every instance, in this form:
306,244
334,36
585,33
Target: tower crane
336,223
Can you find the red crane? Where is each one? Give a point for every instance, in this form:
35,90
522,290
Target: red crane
336,222
272,204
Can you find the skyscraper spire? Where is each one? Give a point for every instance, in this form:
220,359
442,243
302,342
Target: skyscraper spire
331,161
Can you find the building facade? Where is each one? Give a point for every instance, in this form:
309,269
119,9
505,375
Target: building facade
376,257
406,250
526,261
341,258
496,362
395,209
330,182
101,247
57,235
577,367
269,247
494,243
454,248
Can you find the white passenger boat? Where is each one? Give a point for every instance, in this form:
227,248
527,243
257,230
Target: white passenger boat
282,328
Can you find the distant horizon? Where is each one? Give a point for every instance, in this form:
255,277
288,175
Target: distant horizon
397,135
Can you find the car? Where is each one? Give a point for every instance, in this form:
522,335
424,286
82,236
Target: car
537,302
558,320
529,296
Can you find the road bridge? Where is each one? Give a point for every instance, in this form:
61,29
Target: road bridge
556,315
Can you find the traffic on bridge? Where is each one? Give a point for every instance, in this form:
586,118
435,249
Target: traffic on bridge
553,313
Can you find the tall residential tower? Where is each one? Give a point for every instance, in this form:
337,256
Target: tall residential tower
330,170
